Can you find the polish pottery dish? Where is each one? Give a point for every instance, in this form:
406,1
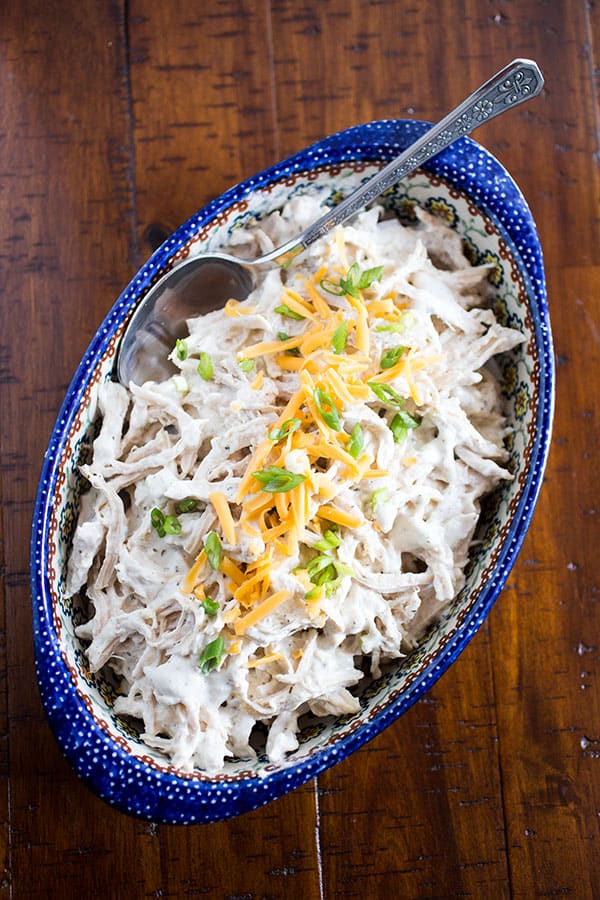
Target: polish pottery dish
467,188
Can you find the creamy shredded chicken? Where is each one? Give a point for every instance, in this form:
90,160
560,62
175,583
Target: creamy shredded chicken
295,506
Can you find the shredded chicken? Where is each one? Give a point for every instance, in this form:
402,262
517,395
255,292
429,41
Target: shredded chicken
263,524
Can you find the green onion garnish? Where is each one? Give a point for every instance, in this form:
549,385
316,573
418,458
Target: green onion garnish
324,569
400,425
211,656
391,357
332,586
386,393
368,277
321,569
284,310
181,349
353,282
246,365
172,525
205,366
288,427
276,480
339,338
329,541
158,521
327,409
164,524
379,496
180,384
212,546
187,505
405,321
356,442
211,607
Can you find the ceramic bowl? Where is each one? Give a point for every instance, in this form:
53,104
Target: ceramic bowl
471,190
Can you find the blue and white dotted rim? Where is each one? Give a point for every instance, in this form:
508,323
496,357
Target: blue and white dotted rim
116,776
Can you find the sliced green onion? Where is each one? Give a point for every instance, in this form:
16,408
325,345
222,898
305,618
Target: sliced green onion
401,424
164,524
180,383
349,284
405,321
353,281
288,427
398,429
327,409
157,517
332,287
284,310
321,569
323,545
212,546
172,525
158,521
181,349
187,505
246,365
395,327
329,541
339,338
314,592
379,496
325,575
343,569
325,569
318,563
368,277
386,393
211,656
332,586
276,480
211,607
356,442
391,357
205,366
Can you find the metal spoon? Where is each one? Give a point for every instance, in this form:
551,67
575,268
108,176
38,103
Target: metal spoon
205,282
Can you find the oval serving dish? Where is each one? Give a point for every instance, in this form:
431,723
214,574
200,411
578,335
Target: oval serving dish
471,190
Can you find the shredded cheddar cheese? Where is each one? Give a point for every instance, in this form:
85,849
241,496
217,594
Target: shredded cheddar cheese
332,514
264,660
279,519
263,609
221,507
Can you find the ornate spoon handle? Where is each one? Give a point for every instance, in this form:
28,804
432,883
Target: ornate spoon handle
520,80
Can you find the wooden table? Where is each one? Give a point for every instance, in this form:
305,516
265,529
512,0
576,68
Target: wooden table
118,115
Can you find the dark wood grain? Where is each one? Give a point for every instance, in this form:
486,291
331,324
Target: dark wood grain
203,102
116,116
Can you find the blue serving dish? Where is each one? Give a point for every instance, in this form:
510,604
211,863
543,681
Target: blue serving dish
474,193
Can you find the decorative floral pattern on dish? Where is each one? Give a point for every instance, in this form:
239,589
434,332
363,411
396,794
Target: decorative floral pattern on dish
75,699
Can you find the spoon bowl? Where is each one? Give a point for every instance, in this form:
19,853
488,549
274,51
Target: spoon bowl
204,283
201,284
